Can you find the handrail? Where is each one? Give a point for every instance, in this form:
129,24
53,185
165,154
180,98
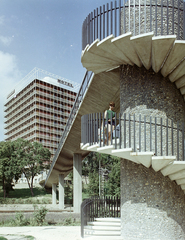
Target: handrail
136,17
78,101
161,136
96,207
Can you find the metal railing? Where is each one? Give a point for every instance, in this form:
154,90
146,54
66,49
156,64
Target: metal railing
97,207
163,137
163,17
79,98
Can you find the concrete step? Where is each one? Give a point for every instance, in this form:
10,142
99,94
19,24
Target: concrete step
100,223
108,220
102,233
103,228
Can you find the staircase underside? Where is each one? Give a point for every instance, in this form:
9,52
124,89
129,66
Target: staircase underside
168,165
162,53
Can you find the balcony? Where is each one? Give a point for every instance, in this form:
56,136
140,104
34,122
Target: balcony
150,141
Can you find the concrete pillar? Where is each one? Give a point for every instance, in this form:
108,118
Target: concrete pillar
61,191
77,182
54,194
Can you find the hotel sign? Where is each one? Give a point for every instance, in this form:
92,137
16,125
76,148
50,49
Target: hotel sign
65,83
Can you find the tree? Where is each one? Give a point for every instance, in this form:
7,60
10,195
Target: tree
113,183
9,169
32,158
109,165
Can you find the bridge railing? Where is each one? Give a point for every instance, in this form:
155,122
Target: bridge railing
163,17
163,137
97,207
78,101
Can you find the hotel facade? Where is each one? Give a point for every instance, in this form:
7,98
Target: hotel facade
37,109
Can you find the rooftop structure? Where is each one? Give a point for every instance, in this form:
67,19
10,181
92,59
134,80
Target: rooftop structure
38,107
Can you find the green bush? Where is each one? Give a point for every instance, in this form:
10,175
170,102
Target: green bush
39,216
19,220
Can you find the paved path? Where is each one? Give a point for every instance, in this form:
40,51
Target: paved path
42,233
48,233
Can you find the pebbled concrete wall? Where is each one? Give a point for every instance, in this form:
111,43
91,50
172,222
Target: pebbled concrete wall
152,206
155,9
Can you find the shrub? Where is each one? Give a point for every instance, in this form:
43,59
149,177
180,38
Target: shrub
39,216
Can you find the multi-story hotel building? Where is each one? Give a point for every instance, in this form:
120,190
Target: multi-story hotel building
38,107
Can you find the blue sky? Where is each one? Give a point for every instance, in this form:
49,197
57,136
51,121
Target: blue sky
44,34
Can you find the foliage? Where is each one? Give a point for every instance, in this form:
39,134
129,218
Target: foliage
110,165
39,216
19,220
23,196
32,158
9,168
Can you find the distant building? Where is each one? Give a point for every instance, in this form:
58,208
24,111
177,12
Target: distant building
38,108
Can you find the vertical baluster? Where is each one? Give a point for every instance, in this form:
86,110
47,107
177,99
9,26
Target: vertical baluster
91,129
107,19
111,127
145,15
150,133
177,140
172,137
97,36
139,132
88,27
124,130
167,137
129,18
183,20
134,122
150,15
120,130
156,136
107,129
115,122
111,18
173,18
119,18
139,16
103,21
155,17
124,18
129,131
94,24
161,137
100,128
145,133
115,18
178,20
182,141
168,19
103,129
92,37
134,10
114,208
100,23
162,17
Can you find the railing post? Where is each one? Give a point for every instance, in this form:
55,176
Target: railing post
156,136
134,122
115,130
177,140
167,137
161,137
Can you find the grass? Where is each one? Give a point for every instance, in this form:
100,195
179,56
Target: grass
23,196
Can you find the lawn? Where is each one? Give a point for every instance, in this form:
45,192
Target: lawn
23,196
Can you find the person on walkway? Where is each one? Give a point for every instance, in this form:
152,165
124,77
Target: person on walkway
107,115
